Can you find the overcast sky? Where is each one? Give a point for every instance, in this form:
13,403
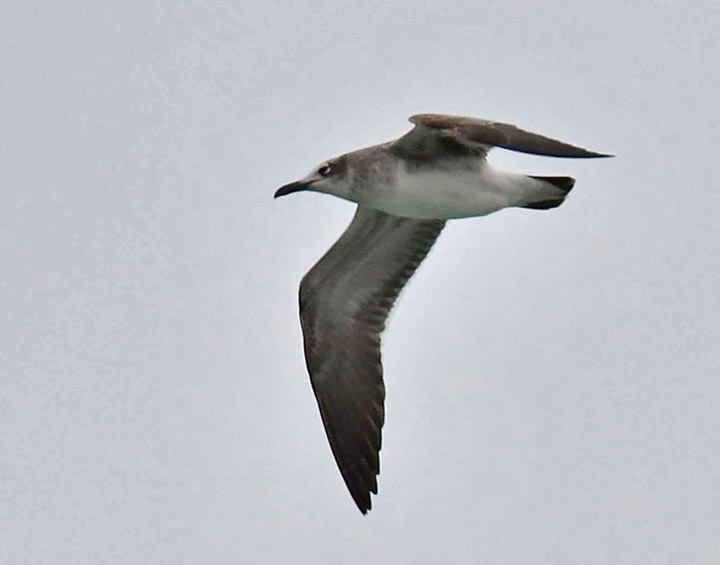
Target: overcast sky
553,378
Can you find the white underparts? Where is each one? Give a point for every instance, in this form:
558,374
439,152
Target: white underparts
457,192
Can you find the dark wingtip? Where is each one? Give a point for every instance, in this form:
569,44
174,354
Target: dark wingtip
364,508
580,153
362,499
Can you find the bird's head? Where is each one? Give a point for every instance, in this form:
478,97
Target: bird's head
331,177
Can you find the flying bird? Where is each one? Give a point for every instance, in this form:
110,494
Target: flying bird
406,190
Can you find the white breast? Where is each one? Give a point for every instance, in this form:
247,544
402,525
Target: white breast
447,193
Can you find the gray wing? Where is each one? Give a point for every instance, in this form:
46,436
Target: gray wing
344,302
435,132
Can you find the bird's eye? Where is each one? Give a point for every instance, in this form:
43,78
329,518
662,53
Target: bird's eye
324,170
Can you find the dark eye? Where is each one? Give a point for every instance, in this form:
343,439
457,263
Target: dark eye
324,170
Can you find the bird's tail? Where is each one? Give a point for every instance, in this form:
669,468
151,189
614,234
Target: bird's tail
553,193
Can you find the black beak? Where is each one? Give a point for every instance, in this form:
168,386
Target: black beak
289,189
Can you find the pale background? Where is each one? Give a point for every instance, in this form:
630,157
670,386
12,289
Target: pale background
553,377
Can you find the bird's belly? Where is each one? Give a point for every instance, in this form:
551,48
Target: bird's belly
448,194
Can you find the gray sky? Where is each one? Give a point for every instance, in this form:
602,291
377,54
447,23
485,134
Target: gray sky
553,377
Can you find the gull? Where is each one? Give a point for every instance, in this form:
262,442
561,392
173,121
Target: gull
405,190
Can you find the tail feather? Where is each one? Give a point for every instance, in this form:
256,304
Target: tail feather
564,184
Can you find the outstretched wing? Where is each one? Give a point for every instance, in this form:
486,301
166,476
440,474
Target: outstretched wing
437,132
344,302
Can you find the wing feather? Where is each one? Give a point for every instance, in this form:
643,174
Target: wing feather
344,302
435,132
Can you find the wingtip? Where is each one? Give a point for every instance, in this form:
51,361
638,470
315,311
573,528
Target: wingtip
572,152
362,501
